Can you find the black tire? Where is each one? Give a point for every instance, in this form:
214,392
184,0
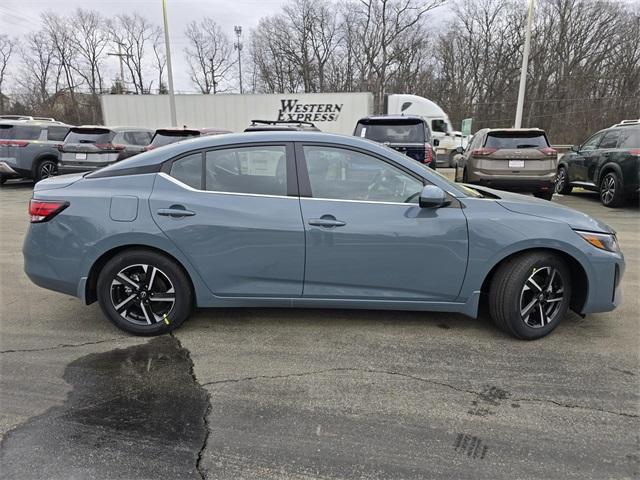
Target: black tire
45,168
157,316
512,291
465,176
544,194
612,190
2,180
452,159
563,185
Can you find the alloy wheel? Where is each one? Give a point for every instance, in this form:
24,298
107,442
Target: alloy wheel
608,189
142,294
541,297
48,169
560,180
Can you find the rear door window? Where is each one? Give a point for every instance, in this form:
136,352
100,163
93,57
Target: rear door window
188,170
629,138
89,135
254,170
610,139
26,132
392,132
514,140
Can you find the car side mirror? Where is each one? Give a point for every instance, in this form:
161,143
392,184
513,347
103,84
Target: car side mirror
432,197
459,150
575,148
435,142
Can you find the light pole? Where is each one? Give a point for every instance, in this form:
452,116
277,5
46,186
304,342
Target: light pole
525,63
238,46
172,97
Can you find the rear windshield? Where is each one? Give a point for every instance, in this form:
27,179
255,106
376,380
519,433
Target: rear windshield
20,132
165,138
629,138
501,140
392,132
89,135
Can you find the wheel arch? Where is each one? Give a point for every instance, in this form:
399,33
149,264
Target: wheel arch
40,158
579,278
90,294
606,168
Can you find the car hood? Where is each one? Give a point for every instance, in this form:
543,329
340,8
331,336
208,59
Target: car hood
543,208
59,181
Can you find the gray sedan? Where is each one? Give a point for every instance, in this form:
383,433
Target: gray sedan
296,219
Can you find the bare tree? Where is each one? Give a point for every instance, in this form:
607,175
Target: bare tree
160,57
133,34
7,46
209,55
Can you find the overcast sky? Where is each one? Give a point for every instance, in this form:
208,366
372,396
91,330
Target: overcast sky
18,17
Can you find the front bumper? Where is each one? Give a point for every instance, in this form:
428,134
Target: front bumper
604,291
7,171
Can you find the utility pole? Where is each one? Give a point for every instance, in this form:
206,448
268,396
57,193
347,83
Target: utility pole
120,55
172,97
238,46
525,63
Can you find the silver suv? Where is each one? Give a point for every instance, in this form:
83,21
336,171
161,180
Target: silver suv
29,148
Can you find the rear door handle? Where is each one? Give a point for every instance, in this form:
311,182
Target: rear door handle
326,222
175,211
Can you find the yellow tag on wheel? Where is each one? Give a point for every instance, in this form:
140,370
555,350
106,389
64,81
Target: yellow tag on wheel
164,317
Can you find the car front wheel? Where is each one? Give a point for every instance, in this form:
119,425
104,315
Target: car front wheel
530,294
611,192
563,186
144,292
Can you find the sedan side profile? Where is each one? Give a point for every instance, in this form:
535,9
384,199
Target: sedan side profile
297,219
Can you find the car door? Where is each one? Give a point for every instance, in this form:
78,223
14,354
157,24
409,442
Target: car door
234,212
579,166
367,237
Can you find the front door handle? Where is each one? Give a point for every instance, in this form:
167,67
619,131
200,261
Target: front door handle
327,221
175,211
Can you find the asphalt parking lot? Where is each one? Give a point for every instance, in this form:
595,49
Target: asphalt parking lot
299,394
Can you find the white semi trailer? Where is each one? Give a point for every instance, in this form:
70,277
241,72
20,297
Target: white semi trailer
331,112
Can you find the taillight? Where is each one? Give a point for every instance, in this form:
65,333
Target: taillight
44,210
549,152
484,151
109,146
428,154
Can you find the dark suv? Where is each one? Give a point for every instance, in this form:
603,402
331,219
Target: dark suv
280,125
90,147
607,162
405,133
29,148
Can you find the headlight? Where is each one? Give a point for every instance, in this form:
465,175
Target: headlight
603,241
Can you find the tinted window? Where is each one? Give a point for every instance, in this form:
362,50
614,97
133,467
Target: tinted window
136,138
592,143
511,140
439,126
629,138
160,139
89,135
188,170
26,132
392,132
348,175
57,134
610,139
258,170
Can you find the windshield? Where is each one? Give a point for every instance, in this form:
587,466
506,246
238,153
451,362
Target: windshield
392,132
512,140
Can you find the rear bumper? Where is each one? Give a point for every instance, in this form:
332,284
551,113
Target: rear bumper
516,183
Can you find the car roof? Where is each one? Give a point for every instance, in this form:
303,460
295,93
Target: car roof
514,130
35,123
116,129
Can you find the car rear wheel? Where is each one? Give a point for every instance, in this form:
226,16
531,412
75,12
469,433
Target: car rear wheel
611,192
46,168
144,292
530,294
563,186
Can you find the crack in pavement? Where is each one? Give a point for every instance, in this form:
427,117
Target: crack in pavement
205,416
65,345
412,377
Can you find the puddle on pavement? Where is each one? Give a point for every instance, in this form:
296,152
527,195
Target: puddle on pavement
132,413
